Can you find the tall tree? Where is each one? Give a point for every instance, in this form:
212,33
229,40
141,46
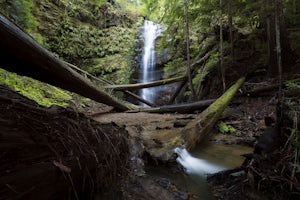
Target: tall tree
187,37
222,67
278,46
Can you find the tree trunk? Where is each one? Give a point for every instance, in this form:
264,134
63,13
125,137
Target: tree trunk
271,39
222,68
288,58
278,47
179,108
229,8
145,85
198,129
187,37
106,82
21,54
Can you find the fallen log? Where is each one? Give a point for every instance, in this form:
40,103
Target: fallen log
101,80
198,129
21,54
179,108
146,85
56,153
161,136
268,88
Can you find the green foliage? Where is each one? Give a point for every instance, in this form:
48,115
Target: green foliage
293,85
228,129
24,17
114,67
175,66
22,12
41,93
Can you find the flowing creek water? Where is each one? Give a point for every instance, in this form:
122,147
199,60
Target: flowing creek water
205,159
208,158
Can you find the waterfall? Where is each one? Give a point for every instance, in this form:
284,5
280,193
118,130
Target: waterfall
194,165
150,32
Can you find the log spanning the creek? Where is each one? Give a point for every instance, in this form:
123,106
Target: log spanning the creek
161,134
21,54
161,142
146,85
199,128
178,108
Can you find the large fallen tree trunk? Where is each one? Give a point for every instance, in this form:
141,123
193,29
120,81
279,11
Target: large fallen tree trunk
21,54
179,108
198,129
160,137
146,85
56,153
101,80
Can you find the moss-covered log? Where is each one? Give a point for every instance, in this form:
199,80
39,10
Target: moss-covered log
160,137
196,130
21,54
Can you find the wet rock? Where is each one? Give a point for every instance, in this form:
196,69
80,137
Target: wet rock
180,123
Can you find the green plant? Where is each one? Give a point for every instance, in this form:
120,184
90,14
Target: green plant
228,129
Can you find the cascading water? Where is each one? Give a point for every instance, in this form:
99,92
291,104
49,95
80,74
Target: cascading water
194,165
150,32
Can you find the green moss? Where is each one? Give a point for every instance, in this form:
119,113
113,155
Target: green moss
42,93
228,129
116,68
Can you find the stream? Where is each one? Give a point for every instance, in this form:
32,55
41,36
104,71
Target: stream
205,159
208,158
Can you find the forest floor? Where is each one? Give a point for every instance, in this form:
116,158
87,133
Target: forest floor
247,118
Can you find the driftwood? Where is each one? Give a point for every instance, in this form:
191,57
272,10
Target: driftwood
21,54
179,108
56,153
145,85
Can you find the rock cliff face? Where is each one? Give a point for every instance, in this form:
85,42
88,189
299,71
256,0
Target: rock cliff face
95,35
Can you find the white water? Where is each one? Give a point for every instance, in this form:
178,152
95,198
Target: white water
150,32
194,165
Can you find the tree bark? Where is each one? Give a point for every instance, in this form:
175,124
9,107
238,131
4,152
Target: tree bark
222,68
21,54
271,39
179,108
198,129
145,85
187,38
106,82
